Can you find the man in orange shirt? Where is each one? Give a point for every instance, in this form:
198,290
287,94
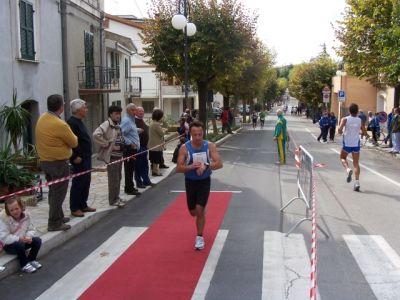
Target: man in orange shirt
54,143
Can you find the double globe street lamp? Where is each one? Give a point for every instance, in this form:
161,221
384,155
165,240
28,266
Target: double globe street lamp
180,21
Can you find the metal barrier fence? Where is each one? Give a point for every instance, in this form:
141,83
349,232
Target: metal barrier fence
305,185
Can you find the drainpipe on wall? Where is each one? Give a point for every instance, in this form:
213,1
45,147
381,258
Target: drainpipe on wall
104,101
64,51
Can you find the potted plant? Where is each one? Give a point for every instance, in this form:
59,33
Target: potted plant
12,177
14,120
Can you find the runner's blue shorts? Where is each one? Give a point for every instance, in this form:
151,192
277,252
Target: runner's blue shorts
351,149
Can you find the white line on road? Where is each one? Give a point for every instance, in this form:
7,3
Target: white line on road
378,262
372,171
76,281
208,272
286,267
233,192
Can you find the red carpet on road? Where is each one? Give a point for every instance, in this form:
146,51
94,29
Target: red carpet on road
162,263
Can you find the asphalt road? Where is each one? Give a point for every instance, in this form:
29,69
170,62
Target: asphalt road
245,269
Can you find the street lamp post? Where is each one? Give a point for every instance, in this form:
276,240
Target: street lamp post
180,21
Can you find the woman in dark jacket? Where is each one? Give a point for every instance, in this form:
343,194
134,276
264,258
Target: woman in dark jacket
332,126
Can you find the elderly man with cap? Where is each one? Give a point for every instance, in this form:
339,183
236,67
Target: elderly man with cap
81,160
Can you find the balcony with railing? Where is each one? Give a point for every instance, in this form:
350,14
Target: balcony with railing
98,80
133,86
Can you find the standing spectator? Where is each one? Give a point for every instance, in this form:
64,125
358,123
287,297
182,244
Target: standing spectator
109,137
395,125
142,162
183,130
324,124
389,129
225,121
131,147
54,143
81,160
280,136
374,127
188,116
156,142
332,126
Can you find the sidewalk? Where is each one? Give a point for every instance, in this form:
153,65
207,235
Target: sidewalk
98,198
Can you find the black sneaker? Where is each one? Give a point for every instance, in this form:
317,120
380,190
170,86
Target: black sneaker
164,167
349,174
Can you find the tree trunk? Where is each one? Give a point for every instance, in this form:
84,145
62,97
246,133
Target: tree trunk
226,100
396,95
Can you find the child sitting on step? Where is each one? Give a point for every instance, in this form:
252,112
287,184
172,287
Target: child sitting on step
17,234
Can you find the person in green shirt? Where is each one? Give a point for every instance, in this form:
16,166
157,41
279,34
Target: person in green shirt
280,136
262,118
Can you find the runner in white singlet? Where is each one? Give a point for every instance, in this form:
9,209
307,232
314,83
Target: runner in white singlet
350,128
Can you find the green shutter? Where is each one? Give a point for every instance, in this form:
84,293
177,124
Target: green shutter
126,68
117,64
89,60
26,30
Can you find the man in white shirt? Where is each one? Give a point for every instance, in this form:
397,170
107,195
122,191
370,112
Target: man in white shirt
350,127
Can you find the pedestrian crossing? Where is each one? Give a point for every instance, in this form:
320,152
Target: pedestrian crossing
285,270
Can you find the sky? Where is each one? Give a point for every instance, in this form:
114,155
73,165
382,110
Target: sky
295,29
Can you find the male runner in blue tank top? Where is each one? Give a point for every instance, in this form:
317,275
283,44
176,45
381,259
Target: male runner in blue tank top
196,159
350,127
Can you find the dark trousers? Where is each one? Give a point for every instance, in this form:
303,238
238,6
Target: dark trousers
79,192
324,134
227,127
19,248
57,192
375,134
129,168
114,180
142,167
332,131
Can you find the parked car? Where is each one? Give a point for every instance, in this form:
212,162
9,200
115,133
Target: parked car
217,112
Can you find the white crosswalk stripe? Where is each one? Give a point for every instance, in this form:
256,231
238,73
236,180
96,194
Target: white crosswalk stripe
76,281
378,262
286,267
210,266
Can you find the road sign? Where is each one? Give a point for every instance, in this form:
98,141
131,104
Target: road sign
341,96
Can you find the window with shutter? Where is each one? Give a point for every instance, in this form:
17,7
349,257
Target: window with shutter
26,30
89,60
126,68
117,64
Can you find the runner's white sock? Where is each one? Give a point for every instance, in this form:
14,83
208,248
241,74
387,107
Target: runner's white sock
348,170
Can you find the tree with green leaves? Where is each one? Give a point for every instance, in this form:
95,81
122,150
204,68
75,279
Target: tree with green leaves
370,37
225,32
307,80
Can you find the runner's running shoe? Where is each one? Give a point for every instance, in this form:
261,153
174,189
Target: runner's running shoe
349,174
199,244
356,187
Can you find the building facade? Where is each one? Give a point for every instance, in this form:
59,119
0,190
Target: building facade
30,56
